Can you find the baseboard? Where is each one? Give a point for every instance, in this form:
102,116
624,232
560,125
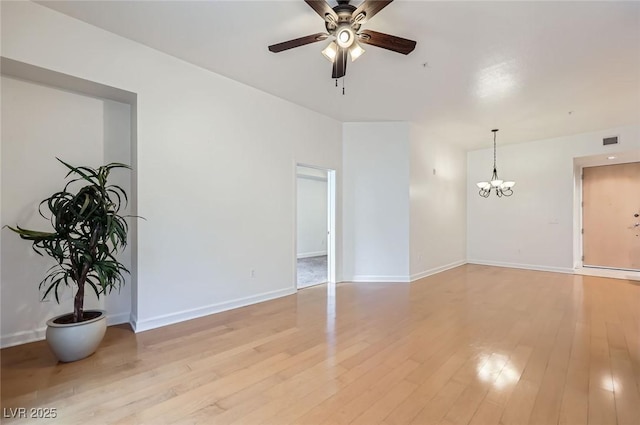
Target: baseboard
567,270
169,319
312,254
311,284
436,270
609,273
117,319
24,337
375,278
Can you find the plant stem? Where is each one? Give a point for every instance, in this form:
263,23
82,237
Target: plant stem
78,302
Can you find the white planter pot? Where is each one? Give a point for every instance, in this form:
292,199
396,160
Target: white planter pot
75,341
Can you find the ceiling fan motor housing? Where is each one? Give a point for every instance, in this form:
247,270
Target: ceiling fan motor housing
345,16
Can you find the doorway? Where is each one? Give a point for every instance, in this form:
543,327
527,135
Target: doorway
611,216
315,217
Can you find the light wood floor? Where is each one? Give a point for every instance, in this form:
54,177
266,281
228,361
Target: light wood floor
473,345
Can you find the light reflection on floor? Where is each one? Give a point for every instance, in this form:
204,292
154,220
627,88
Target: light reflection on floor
497,370
611,383
331,316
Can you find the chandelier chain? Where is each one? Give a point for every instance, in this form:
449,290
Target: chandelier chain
494,150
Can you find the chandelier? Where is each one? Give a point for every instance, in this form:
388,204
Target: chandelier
502,188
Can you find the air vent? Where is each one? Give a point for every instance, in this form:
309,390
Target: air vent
610,140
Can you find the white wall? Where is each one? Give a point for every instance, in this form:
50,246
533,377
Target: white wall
376,201
39,124
534,228
312,213
117,148
438,204
216,166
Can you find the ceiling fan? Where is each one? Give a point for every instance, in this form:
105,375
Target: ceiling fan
343,22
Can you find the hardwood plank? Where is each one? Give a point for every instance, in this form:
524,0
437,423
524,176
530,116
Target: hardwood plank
351,410
488,413
518,409
601,383
413,404
466,405
546,409
435,409
395,395
626,393
509,376
574,406
602,409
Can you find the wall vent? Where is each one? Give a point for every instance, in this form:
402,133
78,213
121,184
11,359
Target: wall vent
610,140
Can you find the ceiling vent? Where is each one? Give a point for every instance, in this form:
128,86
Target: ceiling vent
610,140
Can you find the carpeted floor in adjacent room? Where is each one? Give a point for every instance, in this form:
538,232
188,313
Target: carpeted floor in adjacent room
312,271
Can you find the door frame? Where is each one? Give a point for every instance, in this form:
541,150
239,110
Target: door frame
579,164
331,222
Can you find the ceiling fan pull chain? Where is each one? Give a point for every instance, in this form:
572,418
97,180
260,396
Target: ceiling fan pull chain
336,82
343,86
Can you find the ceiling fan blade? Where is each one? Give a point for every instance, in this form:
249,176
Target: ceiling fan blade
386,41
323,9
369,8
340,64
297,42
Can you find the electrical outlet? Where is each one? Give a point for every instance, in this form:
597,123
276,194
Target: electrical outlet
252,274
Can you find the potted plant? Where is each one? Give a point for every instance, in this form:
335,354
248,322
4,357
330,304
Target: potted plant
87,234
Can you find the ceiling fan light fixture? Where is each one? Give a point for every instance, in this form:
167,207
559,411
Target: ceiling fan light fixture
330,52
345,36
355,51
342,23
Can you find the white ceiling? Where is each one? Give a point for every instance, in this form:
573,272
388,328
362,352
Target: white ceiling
533,69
